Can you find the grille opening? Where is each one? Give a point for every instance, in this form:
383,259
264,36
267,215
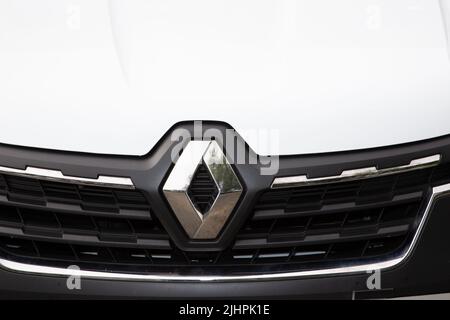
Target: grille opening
347,250
327,221
114,226
19,186
364,218
9,216
201,258
92,253
55,251
77,224
133,256
257,226
147,229
242,256
203,190
18,247
274,255
39,219
290,225
380,246
162,256
340,193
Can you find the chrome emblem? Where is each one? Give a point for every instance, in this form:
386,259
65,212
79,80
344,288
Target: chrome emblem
200,225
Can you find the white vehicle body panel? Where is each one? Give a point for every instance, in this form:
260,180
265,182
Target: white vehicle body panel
316,75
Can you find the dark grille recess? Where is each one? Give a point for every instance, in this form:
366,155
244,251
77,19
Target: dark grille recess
203,190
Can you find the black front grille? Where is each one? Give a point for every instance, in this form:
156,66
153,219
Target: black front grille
60,212
363,219
102,201
107,229
203,190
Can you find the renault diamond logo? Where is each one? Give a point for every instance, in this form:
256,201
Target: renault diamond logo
202,209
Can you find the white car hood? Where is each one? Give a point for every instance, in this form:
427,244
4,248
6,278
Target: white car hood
317,76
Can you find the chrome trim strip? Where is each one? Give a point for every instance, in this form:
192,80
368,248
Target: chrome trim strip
28,268
58,176
355,174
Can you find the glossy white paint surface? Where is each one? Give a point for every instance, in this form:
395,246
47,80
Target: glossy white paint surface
112,76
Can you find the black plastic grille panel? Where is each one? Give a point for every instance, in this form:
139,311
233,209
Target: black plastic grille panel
347,221
62,212
65,254
77,197
58,224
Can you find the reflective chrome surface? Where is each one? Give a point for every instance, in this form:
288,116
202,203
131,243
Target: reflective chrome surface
437,192
196,224
349,175
58,176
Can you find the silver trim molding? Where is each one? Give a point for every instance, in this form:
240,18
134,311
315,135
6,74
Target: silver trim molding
58,176
355,174
43,270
